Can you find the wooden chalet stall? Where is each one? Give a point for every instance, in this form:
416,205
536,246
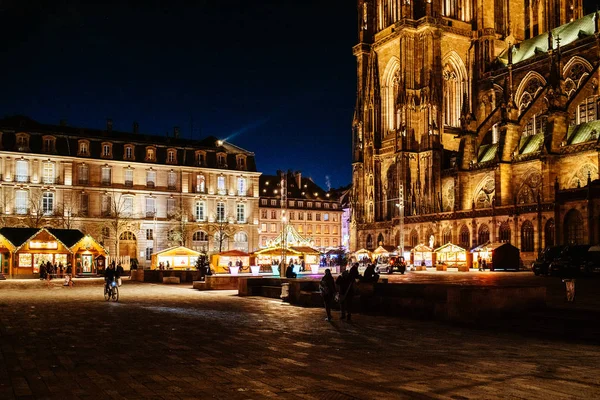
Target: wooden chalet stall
28,248
220,262
178,257
423,254
503,256
288,246
451,255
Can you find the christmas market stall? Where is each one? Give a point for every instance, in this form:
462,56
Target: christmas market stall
451,255
223,262
26,249
423,255
178,258
503,256
362,255
288,246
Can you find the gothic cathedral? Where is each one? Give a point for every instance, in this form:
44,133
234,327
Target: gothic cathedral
475,122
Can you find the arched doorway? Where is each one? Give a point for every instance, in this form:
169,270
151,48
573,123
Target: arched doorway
573,227
483,235
380,241
127,244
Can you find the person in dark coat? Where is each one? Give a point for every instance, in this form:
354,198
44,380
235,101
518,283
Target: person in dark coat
289,272
110,274
345,283
327,289
370,276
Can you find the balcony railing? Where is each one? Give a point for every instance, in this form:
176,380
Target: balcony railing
48,180
21,210
200,218
129,183
172,187
242,221
106,182
22,178
82,181
200,189
150,214
222,192
150,184
242,193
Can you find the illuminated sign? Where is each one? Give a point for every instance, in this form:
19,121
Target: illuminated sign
38,244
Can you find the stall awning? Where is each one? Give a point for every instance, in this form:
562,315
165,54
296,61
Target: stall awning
234,253
449,248
385,250
177,251
305,250
488,246
421,248
275,251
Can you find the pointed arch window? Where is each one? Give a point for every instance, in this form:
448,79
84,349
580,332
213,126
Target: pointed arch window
483,235
454,90
527,236
573,228
465,237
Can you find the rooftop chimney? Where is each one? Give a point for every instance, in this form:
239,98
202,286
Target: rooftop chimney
136,127
298,176
176,132
109,125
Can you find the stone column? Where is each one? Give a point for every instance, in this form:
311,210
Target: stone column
557,126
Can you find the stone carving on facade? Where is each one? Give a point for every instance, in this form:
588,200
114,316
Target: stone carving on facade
530,189
580,178
485,193
534,84
448,195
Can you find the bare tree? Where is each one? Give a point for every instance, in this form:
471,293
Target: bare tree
37,215
117,211
65,211
6,200
222,230
180,225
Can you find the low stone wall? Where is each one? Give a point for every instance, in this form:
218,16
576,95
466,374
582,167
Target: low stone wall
156,276
217,282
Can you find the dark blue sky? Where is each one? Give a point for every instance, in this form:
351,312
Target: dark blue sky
277,77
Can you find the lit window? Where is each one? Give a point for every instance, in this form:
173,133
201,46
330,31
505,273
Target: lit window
49,174
22,171
83,148
171,156
150,207
149,234
106,175
129,153
106,150
128,177
273,202
150,154
221,185
241,213
170,207
220,212
263,202
21,201
273,227
128,206
151,178
48,203
263,227
241,186
200,211
200,184
334,230
172,180
83,174
300,204
326,217
200,158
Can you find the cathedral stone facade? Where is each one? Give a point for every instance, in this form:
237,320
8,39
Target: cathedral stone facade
470,120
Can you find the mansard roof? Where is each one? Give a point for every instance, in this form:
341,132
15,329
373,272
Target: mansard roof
67,138
568,33
269,183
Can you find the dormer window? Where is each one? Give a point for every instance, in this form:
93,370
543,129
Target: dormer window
200,157
129,153
48,144
106,150
172,156
22,141
84,148
221,160
150,154
241,162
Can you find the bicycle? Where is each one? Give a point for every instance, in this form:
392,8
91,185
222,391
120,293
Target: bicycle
111,291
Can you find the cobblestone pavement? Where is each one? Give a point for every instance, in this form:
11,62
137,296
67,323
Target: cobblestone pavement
174,342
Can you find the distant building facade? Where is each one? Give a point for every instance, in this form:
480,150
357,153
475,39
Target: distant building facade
135,193
468,117
314,213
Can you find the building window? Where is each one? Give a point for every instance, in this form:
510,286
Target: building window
21,202
106,175
309,216
587,111
83,174
300,229
84,148
170,207
505,232
241,241
200,211
241,162
309,204
200,241
127,206
334,230
150,154
171,157
291,203
263,214
221,185
106,150
48,144
447,236
128,152
414,238
49,173
527,236
300,216
273,228
273,202
326,229
149,234
200,184
536,125
335,206
220,212
483,235
317,216
263,227
318,205
300,204
48,203
150,178
573,228
465,237
318,229
263,202
292,215
335,217
84,201
149,252
128,177
241,213
273,214
22,142
172,180
22,171
325,217
369,242
241,186
106,205
200,158
150,207
221,163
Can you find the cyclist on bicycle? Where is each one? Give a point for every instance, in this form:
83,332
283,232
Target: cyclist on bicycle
110,274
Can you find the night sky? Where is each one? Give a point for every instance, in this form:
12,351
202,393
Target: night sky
275,77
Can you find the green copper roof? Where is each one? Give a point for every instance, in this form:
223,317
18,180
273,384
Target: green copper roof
583,132
531,144
487,152
568,33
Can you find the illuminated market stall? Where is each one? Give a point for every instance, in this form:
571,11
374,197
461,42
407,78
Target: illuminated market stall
220,262
497,256
178,257
423,254
451,255
288,246
25,249
362,255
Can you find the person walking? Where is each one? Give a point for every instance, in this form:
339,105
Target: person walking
346,284
120,272
327,289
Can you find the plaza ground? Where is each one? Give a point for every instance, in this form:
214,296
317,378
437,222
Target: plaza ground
175,342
